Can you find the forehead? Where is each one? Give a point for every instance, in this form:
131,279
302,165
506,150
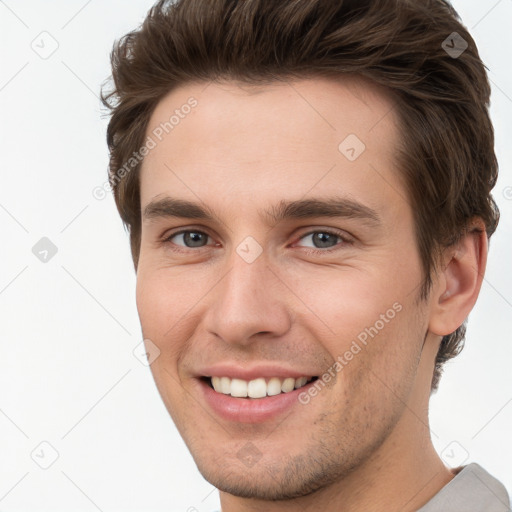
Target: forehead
271,142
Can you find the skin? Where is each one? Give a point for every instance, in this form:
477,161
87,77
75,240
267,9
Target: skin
363,443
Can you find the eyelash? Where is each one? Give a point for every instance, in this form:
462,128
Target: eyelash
344,240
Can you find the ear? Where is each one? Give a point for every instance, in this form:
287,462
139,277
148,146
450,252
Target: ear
459,280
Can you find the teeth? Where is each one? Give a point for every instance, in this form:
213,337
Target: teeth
225,385
300,382
257,388
216,384
288,385
273,386
238,388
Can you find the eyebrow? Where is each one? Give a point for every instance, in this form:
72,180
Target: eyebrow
171,207
322,207
283,210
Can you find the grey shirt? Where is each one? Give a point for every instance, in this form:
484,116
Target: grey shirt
472,489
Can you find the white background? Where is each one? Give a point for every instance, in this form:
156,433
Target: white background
68,375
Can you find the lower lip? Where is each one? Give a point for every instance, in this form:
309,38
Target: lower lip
250,410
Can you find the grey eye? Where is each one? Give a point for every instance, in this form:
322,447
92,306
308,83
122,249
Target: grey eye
321,239
191,239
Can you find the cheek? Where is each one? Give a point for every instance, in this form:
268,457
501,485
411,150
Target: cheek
166,316
350,304
382,375
151,299
166,300
373,330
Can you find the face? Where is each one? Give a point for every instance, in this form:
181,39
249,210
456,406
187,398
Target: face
278,252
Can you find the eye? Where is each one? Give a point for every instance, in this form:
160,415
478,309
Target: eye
188,238
323,239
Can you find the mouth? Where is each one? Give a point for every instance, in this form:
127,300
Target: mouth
256,388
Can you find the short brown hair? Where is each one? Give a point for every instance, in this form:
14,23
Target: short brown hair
446,155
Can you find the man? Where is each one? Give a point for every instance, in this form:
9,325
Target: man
306,184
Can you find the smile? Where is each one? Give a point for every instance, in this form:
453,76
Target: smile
256,388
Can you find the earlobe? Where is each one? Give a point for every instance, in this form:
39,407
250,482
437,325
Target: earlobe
459,281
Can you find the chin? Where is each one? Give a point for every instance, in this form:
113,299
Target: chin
271,481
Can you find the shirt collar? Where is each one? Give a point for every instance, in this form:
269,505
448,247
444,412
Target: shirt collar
472,489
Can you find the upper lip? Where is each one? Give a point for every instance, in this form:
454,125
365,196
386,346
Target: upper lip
238,372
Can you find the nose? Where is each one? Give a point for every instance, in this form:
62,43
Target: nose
250,300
